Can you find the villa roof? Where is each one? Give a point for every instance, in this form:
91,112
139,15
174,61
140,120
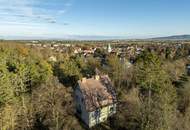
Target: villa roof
97,92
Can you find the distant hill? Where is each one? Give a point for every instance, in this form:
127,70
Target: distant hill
64,37
175,37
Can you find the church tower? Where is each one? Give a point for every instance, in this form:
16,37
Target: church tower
109,48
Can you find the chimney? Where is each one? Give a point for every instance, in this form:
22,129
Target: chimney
83,80
97,77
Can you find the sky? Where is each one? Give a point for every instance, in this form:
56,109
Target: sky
93,18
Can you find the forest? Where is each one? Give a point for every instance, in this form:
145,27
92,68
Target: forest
37,93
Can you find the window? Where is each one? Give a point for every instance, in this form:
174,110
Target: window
103,119
76,97
97,113
111,109
93,114
82,100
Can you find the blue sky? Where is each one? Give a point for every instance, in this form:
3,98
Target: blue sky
72,18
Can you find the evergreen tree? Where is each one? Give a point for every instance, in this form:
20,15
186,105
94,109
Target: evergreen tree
157,93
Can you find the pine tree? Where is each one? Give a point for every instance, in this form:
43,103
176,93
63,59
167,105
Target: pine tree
157,93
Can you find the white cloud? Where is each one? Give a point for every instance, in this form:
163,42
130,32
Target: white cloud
31,17
62,12
68,4
32,10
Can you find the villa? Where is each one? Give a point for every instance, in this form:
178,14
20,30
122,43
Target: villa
95,100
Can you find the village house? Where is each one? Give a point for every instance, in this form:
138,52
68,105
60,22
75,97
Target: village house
52,59
95,100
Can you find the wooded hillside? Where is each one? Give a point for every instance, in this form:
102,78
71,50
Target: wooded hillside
37,93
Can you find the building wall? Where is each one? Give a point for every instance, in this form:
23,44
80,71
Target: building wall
188,70
79,102
102,115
